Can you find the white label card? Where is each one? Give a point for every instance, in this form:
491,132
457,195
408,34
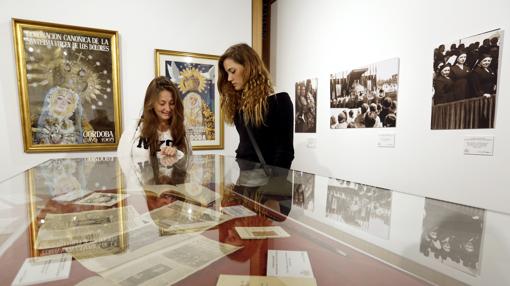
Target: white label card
479,145
311,143
42,269
284,263
386,140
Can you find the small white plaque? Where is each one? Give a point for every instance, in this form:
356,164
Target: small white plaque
386,140
311,143
288,263
479,145
43,269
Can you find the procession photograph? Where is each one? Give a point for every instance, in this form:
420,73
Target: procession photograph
365,97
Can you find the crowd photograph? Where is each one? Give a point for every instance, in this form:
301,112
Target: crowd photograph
365,97
465,74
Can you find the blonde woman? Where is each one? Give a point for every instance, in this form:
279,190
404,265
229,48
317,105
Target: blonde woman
249,102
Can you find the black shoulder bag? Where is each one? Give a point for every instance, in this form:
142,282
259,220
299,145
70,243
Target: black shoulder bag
267,170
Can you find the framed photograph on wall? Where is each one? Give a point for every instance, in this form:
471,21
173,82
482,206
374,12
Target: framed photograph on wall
68,79
365,97
195,76
306,106
465,81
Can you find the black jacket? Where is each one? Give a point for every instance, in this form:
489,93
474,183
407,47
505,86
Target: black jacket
275,137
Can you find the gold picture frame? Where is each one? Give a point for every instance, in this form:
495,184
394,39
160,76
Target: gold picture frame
68,83
195,76
78,177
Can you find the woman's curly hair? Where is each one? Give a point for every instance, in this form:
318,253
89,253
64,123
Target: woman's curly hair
252,100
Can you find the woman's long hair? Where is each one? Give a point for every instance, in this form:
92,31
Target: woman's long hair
150,119
252,100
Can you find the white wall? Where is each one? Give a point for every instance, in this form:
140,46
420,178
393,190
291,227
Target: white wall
207,27
317,38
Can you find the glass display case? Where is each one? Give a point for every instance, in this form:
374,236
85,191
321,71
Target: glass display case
160,222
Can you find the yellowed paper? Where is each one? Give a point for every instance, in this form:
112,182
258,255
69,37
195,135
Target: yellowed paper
242,280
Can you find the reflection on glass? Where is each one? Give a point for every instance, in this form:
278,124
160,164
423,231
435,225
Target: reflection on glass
362,206
192,179
268,186
55,189
60,230
303,190
203,170
452,235
179,217
253,250
60,176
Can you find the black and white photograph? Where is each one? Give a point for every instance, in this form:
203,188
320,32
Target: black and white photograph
452,234
365,207
303,190
365,97
306,106
465,75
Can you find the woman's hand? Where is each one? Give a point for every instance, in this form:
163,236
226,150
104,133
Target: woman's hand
168,161
168,151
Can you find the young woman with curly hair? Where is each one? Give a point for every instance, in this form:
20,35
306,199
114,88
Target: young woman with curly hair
248,101
160,131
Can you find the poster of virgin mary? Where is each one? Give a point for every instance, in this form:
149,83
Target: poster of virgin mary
69,87
195,76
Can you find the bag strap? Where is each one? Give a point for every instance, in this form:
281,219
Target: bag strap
257,149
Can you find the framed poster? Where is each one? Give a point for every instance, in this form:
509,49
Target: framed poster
68,81
195,76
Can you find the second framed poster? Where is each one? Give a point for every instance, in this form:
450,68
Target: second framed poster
195,76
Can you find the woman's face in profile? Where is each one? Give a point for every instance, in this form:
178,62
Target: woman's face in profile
235,73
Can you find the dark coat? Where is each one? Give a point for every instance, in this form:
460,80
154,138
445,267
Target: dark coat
482,82
460,82
443,90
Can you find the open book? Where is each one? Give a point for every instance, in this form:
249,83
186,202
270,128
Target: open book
191,192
